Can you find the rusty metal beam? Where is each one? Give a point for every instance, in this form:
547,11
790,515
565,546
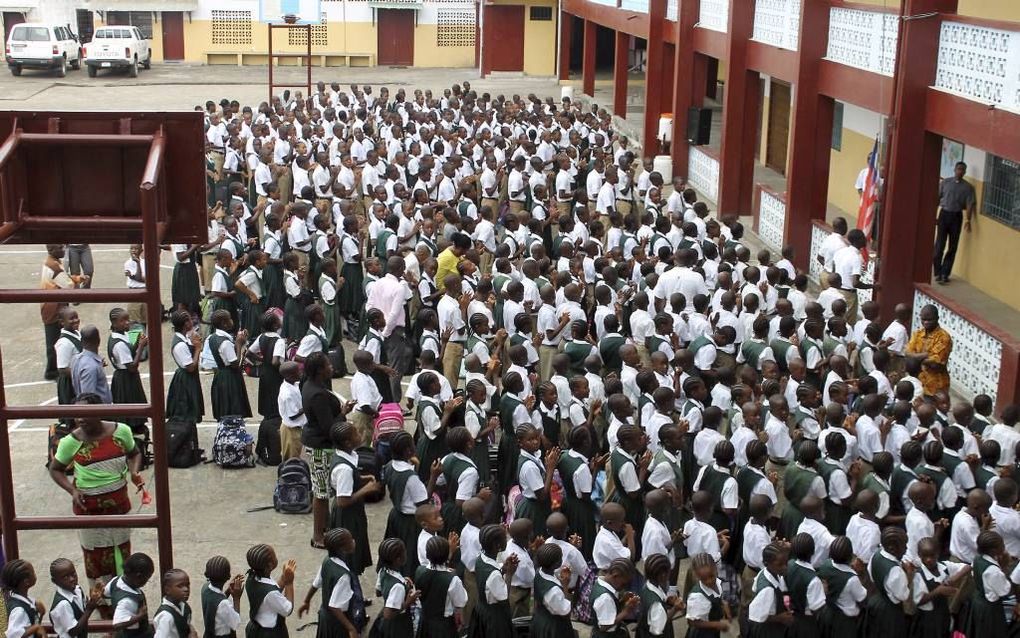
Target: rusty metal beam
57,222
85,522
104,410
9,146
85,139
80,295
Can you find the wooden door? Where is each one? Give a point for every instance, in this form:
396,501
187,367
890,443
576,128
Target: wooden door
504,38
11,18
779,127
396,37
173,35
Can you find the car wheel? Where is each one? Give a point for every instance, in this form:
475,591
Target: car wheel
76,63
91,71
15,70
62,69
148,62
133,69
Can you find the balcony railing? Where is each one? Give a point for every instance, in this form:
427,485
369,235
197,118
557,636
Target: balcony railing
777,22
863,39
980,63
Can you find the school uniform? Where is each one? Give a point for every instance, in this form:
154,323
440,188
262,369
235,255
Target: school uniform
220,618
172,620
295,325
605,602
704,603
336,582
229,396
552,606
66,610
185,289
67,345
126,386
394,591
184,397
346,479
577,506
885,617
531,477
845,596
623,470
492,617
807,597
932,619
406,492
251,311
442,594
475,420
432,438
987,617
767,597
126,601
461,478
269,346
222,282
21,614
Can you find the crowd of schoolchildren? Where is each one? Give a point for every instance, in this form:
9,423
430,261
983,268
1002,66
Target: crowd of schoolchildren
621,419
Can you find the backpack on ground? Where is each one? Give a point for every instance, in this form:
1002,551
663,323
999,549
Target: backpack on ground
267,445
182,444
293,493
232,445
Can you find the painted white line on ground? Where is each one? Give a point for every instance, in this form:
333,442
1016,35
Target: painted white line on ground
17,424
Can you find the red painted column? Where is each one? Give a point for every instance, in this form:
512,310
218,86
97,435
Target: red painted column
683,88
620,74
740,117
566,28
653,74
911,197
810,135
668,77
588,59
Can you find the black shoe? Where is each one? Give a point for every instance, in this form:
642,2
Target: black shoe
50,376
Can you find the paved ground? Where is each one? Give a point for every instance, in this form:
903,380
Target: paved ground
210,505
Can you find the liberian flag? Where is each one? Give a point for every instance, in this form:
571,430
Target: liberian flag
869,197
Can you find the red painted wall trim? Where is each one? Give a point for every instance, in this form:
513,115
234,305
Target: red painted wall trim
865,89
840,4
992,129
710,42
779,63
630,22
1004,25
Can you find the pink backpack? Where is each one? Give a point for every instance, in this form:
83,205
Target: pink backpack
388,422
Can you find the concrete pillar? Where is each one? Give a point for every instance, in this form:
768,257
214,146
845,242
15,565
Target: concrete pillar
740,117
684,94
566,28
620,74
588,61
653,75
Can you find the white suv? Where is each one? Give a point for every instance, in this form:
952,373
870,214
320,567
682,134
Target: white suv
120,47
42,46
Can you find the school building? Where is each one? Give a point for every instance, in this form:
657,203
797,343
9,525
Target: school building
502,35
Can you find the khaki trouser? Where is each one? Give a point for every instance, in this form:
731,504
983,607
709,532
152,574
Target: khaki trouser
472,595
364,424
780,471
208,268
852,305
138,312
516,207
290,442
563,208
746,585
624,207
491,203
545,357
646,357
217,158
302,256
452,356
485,263
520,601
286,183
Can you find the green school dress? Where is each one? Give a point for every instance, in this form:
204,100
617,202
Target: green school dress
489,620
796,486
65,387
834,623
185,289
229,396
331,573
270,379
251,311
398,524
351,297
885,619
986,619
544,623
182,619
399,626
715,613
454,466
272,274
142,630
581,513
617,631
210,603
798,577
475,414
633,506
532,508
184,398
429,450
837,517
257,592
76,611
652,597
434,585
937,621
126,386
353,519
506,470
295,325
329,308
223,303
767,629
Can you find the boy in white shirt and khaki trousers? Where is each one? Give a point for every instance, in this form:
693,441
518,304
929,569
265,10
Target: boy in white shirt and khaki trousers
292,414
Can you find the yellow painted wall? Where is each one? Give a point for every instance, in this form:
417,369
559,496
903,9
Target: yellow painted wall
991,9
844,165
350,37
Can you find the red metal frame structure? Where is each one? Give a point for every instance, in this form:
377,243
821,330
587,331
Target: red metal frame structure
307,57
111,183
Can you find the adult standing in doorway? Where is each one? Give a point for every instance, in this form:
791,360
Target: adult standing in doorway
956,199
54,277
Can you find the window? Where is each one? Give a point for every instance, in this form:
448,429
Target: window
231,27
837,127
543,14
31,34
140,19
456,28
1001,199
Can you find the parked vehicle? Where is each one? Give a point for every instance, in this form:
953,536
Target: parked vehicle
42,46
118,47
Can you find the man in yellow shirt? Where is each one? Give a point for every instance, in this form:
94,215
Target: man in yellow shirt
449,258
932,345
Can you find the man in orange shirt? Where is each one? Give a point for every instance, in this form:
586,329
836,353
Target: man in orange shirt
932,345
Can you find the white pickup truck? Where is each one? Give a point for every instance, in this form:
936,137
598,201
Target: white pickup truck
42,46
117,47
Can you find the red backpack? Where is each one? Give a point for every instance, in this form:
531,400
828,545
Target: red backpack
388,422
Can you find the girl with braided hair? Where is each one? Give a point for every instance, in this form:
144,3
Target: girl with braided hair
221,599
707,614
269,601
398,592
551,618
24,613
492,617
987,615
767,615
406,492
442,592
846,579
658,606
342,612
351,489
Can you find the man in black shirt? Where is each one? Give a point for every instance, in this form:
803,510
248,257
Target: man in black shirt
956,197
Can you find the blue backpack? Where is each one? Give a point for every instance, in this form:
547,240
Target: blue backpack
232,446
293,493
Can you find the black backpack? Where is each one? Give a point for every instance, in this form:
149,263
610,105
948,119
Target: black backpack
267,445
182,444
293,493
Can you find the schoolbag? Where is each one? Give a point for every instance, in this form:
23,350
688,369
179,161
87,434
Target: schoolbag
232,445
267,445
293,493
388,421
182,444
